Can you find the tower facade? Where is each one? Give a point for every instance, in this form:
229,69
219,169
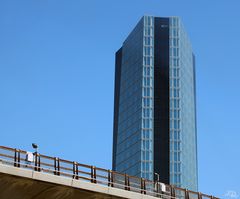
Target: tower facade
154,127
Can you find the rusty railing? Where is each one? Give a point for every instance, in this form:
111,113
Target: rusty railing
77,171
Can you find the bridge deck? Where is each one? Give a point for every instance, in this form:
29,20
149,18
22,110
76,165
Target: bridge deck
18,183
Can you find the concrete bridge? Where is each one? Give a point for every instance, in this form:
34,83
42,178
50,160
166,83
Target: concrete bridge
24,175
19,183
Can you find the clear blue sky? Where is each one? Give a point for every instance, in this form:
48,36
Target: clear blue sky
57,78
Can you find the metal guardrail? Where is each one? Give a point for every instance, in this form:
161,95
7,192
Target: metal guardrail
77,171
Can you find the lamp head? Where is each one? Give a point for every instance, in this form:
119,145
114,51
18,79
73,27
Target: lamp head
35,146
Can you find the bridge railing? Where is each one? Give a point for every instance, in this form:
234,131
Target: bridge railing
77,171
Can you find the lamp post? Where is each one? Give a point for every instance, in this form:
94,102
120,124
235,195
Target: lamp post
157,182
158,178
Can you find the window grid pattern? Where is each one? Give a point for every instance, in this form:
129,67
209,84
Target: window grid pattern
128,154
187,93
175,109
183,152
147,99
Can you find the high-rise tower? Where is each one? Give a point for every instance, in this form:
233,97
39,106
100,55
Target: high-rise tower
155,104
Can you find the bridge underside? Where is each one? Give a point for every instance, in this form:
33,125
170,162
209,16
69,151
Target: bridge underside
13,187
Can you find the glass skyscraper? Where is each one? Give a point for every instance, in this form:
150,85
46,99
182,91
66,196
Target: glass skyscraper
155,104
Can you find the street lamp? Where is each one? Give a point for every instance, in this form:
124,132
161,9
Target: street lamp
156,174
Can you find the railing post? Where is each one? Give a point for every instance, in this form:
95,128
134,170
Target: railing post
143,186
110,178
186,194
93,174
17,158
127,184
56,166
37,162
157,187
75,170
125,181
199,195
173,195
